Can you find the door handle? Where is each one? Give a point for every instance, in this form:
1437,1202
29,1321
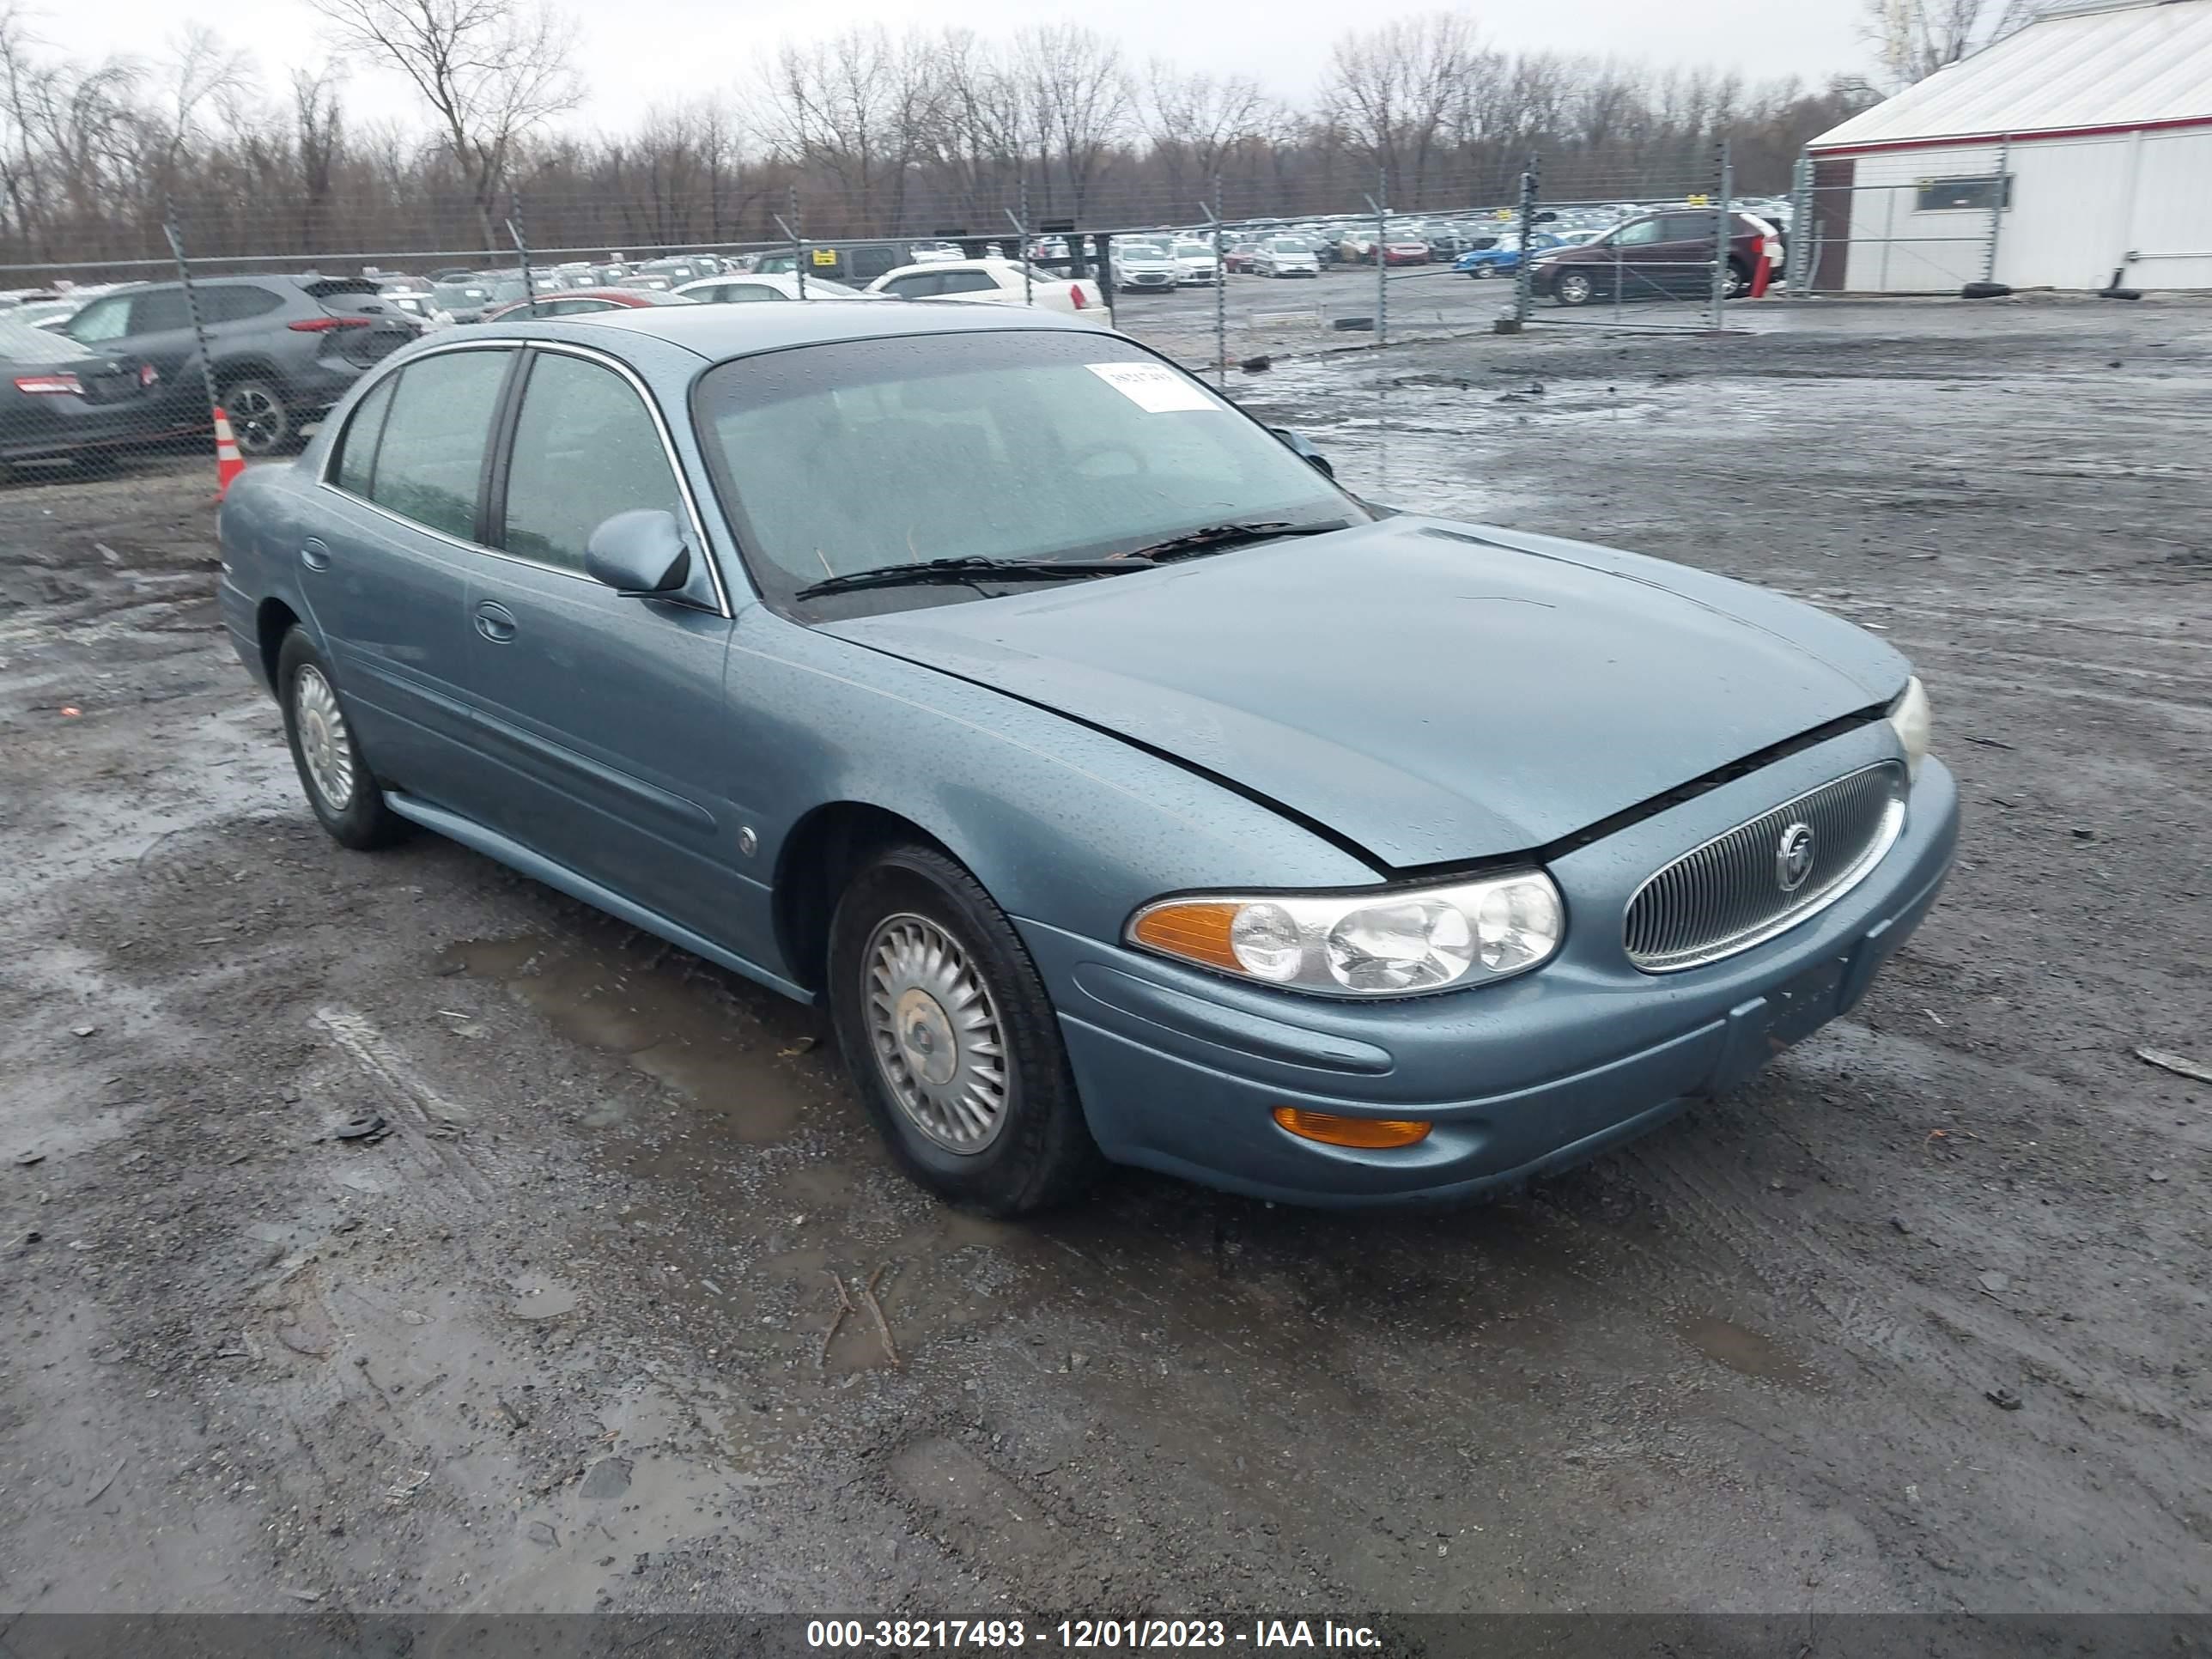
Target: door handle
315,554
495,623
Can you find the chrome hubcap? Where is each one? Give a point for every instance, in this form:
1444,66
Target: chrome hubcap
322,742
936,1034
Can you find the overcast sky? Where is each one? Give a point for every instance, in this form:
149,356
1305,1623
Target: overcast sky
645,50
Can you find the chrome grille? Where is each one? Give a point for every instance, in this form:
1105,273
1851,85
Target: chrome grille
1728,895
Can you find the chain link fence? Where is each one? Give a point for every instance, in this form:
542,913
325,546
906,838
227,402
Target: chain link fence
124,355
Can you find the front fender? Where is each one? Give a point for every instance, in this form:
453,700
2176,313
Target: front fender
1064,825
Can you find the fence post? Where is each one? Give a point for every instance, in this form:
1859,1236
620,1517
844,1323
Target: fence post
176,235
1723,224
797,252
1220,289
1021,223
521,247
1797,263
1523,272
1378,202
1996,210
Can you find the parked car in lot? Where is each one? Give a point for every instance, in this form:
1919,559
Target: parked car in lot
582,302
62,401
1652,256
747,288
1238,252
468,300
1407,252
1503,255
283,349
1081,766
1193,259
1284,256
992,282
1138,264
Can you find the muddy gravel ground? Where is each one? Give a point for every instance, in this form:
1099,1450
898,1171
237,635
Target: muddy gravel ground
1918,1321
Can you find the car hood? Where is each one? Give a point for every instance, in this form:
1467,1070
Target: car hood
1429,692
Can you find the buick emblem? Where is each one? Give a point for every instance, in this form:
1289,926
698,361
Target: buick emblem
1793,857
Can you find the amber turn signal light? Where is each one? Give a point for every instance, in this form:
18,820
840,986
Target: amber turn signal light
1196,930
1369,1133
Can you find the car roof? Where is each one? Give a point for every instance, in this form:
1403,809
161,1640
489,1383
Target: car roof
714,332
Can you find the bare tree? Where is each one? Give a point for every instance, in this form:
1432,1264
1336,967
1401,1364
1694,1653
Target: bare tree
1913,38
1077,91
492,71
1195,121
1392,90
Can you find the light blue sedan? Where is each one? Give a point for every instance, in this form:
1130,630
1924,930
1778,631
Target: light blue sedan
1124,789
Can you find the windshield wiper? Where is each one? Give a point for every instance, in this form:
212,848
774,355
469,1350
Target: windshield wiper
969,569
1220,538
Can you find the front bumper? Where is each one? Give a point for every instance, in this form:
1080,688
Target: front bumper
1179,1069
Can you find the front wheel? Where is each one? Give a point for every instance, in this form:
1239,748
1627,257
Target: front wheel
326,753
950,1039
1574,288
1484,273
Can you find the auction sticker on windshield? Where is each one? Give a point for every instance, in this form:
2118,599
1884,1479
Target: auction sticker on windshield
1153,387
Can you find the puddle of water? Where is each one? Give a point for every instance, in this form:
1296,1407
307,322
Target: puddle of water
537,1296
663,1012
1744,1352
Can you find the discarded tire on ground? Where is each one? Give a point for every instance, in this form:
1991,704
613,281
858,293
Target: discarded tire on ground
1985,291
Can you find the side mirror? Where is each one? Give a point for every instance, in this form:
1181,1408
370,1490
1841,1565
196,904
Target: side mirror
638,553
1301,446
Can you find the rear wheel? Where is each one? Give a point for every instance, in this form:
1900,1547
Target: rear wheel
260,419
332,770
951,1040
1738,281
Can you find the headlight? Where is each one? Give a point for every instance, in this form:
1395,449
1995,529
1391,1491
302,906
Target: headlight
1913,721
1386,943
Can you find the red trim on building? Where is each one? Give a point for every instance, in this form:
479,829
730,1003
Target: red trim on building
1876,147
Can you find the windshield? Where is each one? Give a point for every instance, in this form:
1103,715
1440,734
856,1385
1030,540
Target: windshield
1194,249
1285,245
1021,444
1142,250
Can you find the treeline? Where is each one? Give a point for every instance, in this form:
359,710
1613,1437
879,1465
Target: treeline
867,132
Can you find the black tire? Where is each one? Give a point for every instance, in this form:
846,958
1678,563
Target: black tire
261,418
1483,273
1739,279
1574,288
361,821
1041,1152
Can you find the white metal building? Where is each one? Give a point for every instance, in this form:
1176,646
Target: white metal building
2086,139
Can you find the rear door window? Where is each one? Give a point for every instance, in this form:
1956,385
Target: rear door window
159,312
967,281
430,463
585,448
919,285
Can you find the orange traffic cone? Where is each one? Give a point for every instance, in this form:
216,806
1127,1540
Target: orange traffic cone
229,463
1763,273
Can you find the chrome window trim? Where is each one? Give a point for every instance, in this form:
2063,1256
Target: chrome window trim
512,343
1893,826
